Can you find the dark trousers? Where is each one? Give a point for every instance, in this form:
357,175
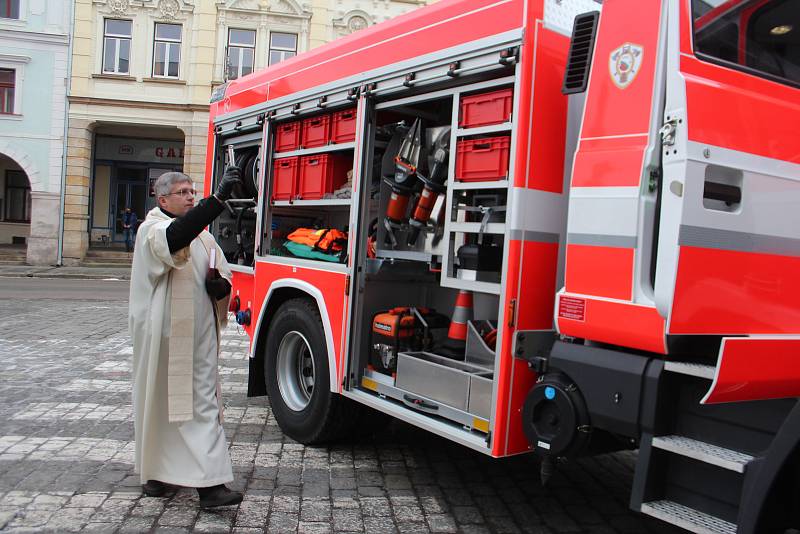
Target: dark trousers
130,237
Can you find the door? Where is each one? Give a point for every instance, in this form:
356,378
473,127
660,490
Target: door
131,192
728,248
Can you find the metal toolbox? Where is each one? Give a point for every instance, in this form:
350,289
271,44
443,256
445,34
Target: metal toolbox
464,386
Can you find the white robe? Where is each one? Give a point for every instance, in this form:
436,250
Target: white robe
193,453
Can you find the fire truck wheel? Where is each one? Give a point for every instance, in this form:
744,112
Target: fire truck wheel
297,375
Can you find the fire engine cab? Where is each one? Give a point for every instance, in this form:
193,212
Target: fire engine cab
547,226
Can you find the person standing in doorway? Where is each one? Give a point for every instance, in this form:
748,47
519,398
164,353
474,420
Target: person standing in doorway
129,222
180,286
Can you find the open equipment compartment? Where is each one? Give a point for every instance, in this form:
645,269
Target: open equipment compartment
235,228
426,321
308,191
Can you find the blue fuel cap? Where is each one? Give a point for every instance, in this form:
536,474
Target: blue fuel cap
550,392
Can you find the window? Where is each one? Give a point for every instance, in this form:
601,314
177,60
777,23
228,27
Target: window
757,36
167,50
18,197
7,82
9,9
281,46
117,46
241,52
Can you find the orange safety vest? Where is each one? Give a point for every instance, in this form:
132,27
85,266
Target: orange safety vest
325,239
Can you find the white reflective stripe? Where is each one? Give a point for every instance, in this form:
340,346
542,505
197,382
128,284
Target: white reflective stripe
694,236
537,211
602,240
604,215
604,192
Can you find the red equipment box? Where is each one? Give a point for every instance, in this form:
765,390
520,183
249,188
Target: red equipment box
316,131
343,129
322,174
486,108
287,137
480,160
284,178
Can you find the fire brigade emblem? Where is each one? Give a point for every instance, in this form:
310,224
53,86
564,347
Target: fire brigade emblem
625,63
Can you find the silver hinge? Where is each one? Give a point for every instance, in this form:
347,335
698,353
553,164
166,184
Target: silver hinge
668,132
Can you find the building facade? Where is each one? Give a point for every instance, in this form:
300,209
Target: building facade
142,76
34,45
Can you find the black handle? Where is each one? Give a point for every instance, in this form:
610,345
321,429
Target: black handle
420,403
729,194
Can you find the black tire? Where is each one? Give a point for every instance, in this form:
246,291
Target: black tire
316,416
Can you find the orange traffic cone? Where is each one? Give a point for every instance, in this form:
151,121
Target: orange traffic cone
457,334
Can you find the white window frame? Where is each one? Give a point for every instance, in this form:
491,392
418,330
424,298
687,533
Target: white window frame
16,24
168,45
4,100
17,64
281,49
241,49
119,38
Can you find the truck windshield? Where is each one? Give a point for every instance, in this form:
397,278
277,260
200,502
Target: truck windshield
761,35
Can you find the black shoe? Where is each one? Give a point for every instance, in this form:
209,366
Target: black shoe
154,488
218,496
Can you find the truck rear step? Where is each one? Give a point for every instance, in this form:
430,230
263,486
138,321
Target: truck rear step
687,518
704,452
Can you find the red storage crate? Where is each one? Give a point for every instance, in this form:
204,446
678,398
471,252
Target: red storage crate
316,131
479,160
284,178
287,137
343,129
322,174
486,108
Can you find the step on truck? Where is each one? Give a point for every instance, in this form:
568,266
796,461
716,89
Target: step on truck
556,227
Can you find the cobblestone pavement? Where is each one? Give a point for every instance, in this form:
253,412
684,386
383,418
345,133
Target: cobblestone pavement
66,454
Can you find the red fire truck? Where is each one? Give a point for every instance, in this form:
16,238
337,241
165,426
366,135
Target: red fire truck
544,225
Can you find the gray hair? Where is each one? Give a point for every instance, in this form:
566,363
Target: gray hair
163,185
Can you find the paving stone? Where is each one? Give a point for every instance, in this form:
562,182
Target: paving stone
252,514
441,523
347,519
136,525
282,522
213,522
177,516
307,527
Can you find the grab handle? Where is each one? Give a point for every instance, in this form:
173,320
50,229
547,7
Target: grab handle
729,194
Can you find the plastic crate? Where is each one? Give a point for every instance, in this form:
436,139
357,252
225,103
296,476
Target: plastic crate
486,108
316,131
479,160
284,178
322,174
343,129
287,136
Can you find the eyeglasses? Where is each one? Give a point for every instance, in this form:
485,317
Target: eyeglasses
184,193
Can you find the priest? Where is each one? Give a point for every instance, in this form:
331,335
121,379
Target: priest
180,286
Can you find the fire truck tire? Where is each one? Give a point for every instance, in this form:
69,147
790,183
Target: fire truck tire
297,377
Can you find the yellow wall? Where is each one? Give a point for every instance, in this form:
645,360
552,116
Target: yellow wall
102,187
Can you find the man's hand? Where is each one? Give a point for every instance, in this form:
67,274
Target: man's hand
231,178
217,288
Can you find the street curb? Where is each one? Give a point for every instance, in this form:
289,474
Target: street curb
53,274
